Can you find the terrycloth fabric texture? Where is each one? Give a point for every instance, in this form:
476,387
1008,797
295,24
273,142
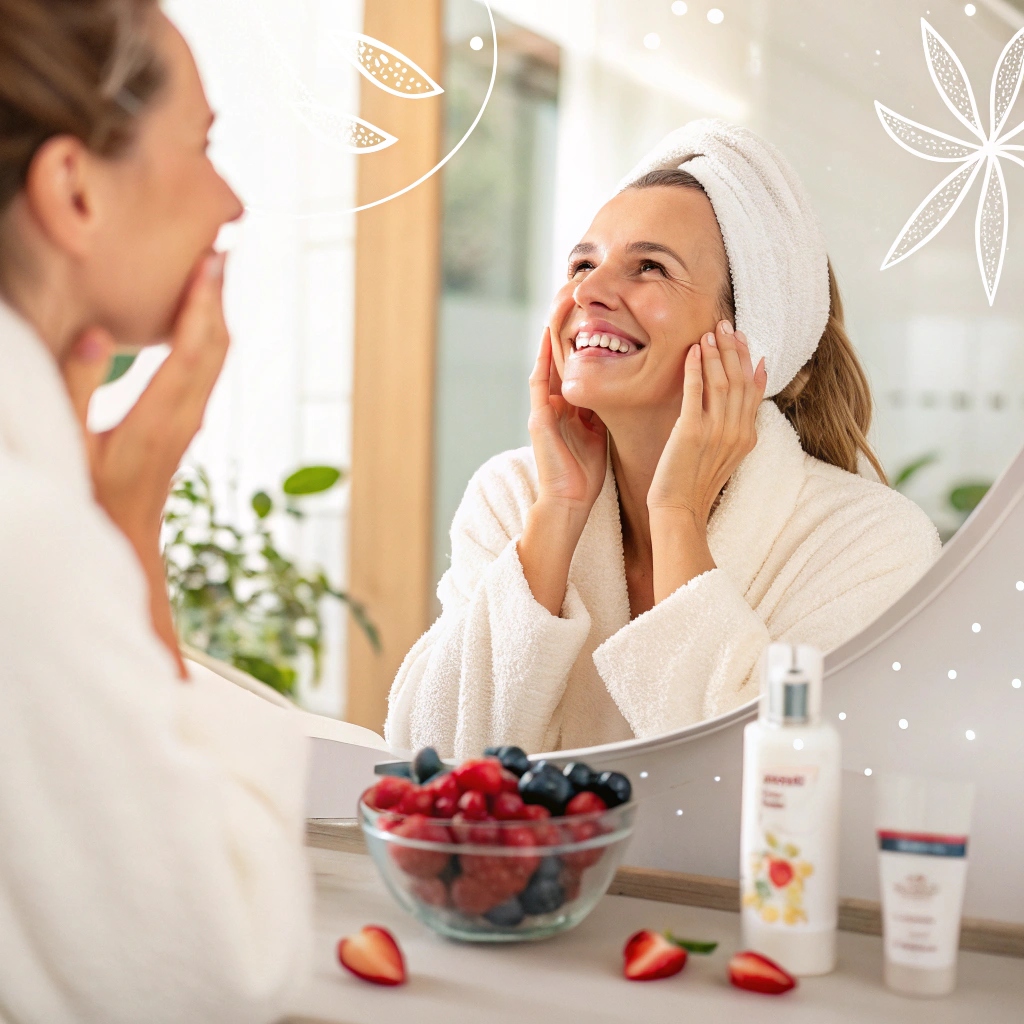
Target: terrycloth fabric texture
152,866
805,552
775,247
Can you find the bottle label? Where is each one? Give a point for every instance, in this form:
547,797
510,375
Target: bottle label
779,884
922,893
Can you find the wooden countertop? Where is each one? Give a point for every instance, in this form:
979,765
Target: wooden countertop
576,976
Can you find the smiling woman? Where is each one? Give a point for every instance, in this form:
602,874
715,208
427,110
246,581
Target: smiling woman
621,577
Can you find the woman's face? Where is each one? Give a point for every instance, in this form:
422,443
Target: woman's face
650,273
161,206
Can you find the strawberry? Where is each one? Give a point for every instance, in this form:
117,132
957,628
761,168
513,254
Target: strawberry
416,800
509,782
757,973
414,861
444,785
571,881
373,955
473,805
500,877
473,896
479,833
580,832
482,775
649,955
507,806
431,891
780,872
389,791
586,803
534,812
445,806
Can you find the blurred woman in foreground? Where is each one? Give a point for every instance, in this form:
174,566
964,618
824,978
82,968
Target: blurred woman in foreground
152,866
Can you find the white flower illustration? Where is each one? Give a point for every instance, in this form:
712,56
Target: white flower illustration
980,156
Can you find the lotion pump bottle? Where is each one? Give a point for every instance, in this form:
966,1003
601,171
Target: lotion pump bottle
790,823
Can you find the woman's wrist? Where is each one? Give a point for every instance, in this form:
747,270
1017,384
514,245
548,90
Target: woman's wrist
680,547
546,547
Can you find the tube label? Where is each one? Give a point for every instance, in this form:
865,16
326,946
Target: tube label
922,878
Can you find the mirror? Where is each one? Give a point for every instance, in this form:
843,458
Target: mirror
397,341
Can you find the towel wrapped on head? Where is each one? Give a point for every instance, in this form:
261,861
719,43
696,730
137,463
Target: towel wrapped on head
775,247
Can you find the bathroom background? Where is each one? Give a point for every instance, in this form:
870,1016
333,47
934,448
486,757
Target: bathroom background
581,89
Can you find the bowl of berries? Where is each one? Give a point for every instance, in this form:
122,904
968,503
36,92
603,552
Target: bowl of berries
499,848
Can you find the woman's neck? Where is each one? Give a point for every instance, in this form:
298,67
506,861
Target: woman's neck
637,442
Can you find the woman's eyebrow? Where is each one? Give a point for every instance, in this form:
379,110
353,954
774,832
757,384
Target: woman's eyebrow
583,249
656,247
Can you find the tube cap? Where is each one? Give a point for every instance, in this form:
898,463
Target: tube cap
791,685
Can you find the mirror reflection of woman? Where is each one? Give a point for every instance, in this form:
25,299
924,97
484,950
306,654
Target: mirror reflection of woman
152,865
621,577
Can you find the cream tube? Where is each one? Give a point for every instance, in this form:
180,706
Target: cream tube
923,826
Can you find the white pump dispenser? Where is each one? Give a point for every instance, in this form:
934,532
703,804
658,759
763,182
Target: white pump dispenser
790,826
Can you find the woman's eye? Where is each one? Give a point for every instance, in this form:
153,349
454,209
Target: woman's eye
582,265
651,265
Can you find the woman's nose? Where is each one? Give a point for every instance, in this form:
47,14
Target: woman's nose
598,288
235,208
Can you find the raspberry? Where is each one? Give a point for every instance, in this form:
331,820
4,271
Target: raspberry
443,785
416,862
445,806
586,803
416,801
507,806
471,830
482,775
431,891
390,790
473,805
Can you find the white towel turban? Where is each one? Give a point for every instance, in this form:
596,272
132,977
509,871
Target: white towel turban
775,247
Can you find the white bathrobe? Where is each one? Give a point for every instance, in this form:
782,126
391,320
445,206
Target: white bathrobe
152,868
805,552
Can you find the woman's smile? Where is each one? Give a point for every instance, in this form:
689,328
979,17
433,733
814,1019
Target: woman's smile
598,338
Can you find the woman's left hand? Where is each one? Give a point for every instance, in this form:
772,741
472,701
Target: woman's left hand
714,433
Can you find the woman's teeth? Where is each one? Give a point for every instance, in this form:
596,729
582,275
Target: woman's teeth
608,341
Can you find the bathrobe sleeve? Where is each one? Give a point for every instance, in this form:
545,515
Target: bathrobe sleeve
494,667
695,655
152,866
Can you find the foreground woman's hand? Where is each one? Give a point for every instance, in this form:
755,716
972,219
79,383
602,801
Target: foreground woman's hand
133,464
570,448
714,433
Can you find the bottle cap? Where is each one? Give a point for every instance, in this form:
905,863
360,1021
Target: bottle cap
791,686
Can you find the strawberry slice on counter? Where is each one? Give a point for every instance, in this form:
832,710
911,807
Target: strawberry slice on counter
756,973
373,955
649,955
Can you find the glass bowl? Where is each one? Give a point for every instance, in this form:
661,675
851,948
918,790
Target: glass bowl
500,881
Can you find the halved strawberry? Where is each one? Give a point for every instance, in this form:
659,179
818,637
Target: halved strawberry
649,955
756,973
373,955
780,872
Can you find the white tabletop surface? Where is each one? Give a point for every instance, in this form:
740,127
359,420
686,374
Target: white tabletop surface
576,978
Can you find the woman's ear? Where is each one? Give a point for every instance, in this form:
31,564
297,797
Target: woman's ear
59,196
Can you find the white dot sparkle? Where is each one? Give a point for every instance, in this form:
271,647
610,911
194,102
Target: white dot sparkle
718,778
715,16
904,724
970,10
842,716
476,43
951,673
652,40
1020,584
679,812
643,775
896,666
970,734
976,627
679,8
867,771
798,744
1015,684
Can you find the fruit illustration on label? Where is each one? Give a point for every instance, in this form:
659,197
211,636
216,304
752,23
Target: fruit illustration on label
387,68
777,877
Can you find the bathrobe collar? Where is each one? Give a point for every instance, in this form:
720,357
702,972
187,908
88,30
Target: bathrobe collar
761,497
37,421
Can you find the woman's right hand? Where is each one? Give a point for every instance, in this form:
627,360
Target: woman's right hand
570,449
133,464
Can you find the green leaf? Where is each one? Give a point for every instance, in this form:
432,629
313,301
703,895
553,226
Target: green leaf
262,504
311,480
762,889
280,677
966,497
119,366
701,948
911,469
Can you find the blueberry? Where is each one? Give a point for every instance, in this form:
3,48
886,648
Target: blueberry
542,896
425,765
403,769
550,867
491,751
452,870
507,914
514,760
547,787
613,788
580,775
